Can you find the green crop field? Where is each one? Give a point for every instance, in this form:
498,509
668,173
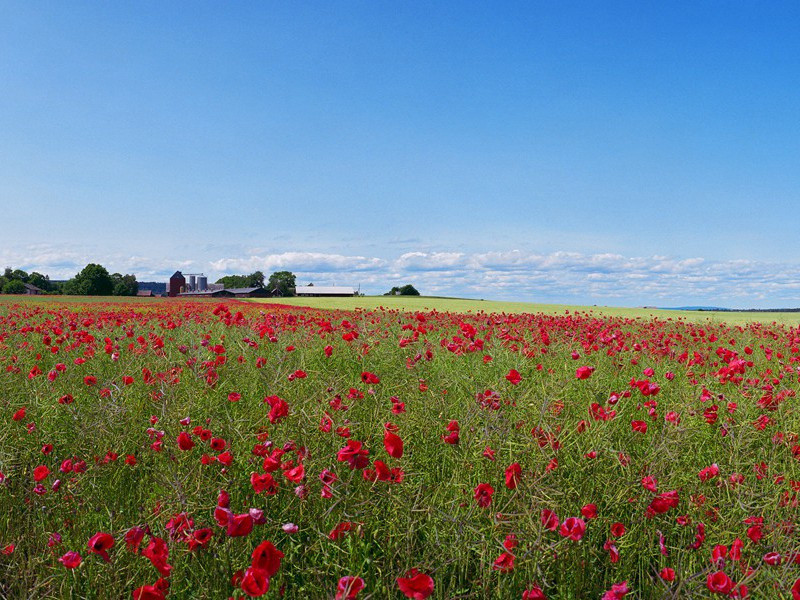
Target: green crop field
426,303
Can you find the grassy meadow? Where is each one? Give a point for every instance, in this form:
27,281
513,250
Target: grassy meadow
431,448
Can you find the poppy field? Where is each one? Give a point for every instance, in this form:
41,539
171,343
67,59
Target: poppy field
176,449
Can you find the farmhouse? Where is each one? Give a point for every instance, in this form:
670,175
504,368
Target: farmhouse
324,290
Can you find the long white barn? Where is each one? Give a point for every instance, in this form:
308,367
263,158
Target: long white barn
324,290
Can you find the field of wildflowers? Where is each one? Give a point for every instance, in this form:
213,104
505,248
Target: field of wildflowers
204,450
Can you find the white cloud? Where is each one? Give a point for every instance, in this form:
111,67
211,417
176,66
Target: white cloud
298,261
562,276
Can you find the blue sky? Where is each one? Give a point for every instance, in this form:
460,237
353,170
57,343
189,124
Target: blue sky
620,153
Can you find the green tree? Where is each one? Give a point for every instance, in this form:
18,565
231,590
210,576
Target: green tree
93,280
40,281
20,275
243,281
408,290
233,281
14,286
255,279
124,285
282,282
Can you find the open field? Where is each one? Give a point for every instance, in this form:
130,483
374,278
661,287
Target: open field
185,449
465,305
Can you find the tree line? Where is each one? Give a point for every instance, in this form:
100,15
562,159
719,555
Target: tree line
93,280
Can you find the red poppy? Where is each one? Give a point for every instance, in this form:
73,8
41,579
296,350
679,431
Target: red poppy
134,537
483,494
662,503
454,429
100,543
549,519
255,582
393,444
185,441
573,528
708,472
719,583
513,377
504,563
349,587
415,585
263,482
148,592
369,378
267,558
41,472
70,560
534,593
340,529
278,408
239,525
617,529
354,454
512,475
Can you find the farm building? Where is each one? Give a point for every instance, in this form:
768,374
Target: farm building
176,285
324,290
207,294
252,292
32,290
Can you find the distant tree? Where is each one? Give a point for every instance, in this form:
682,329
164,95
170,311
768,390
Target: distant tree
408,290
3,281
93,280
233,281
14,286
19,275
255,280
124,285
40,281
283,282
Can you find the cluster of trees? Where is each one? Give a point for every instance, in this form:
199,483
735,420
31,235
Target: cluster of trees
282,282
95,280
406,290
242,281
13,281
